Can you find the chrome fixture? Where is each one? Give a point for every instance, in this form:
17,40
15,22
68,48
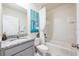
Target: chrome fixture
75,46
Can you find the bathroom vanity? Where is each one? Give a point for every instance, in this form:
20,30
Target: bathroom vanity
18,47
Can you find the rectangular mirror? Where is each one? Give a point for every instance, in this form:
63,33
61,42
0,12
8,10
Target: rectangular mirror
14,19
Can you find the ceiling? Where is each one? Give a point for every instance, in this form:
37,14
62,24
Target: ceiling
48,6
23,8
14,6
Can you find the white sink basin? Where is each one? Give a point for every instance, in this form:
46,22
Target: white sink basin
14,42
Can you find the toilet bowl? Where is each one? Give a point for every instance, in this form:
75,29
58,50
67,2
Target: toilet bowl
42,49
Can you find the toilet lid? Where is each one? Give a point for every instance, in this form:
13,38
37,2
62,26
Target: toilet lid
42,47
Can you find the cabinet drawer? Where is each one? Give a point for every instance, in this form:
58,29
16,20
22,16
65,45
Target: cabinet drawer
26,52
18,48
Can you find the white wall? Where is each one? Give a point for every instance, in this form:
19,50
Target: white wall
49,22
0,20
61,25
77,25
19,14
0,16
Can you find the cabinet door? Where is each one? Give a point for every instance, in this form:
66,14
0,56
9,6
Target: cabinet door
18,48
0,52
26,52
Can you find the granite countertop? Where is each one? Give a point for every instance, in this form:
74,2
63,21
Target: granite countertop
12,42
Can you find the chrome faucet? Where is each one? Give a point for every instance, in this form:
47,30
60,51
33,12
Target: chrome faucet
17,36
75,46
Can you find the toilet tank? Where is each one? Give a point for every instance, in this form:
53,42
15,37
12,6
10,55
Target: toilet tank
37,41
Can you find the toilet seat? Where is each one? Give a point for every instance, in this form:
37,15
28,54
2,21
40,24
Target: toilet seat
42,47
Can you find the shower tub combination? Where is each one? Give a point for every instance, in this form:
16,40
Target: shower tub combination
57,50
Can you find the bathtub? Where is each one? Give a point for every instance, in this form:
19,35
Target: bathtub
56,50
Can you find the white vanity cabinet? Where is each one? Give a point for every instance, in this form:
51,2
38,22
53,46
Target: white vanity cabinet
23,49
26,52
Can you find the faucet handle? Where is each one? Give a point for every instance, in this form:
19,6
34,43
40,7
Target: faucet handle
17,36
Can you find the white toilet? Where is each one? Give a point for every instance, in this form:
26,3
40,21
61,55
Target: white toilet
40,46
